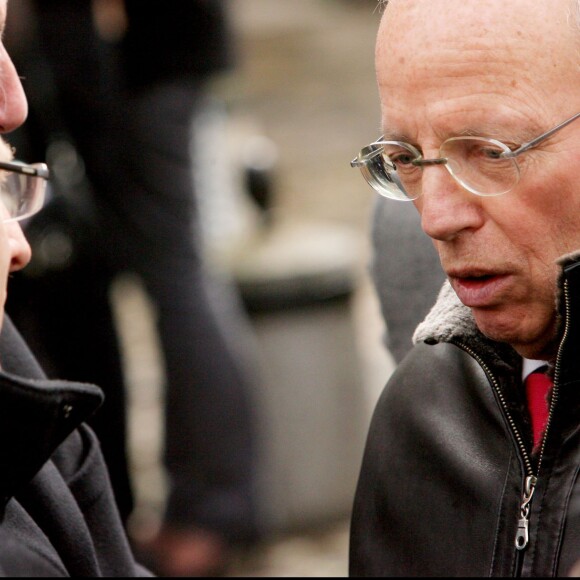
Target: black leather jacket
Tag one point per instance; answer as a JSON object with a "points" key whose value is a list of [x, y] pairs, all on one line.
{"points": [[442, 490]]}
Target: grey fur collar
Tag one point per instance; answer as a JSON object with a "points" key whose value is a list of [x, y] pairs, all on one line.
{"points": [[568, 259], [449, 319]]}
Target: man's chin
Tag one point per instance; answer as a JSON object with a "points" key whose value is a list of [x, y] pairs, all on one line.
{"points": [[537, 342]]}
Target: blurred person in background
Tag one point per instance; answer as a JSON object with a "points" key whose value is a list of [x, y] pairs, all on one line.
{"points": [[170, 51], [128, 110], [407, 288]]}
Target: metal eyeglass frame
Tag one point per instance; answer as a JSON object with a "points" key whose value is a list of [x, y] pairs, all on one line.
{"points": [[38, 170], [35, 170], [371, 151]]}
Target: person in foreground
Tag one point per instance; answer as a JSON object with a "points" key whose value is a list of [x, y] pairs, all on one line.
{"points": [[472, 461], [57, 513]]}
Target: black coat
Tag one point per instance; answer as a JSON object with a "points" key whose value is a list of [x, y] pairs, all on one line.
{"points": [[58, 516]]}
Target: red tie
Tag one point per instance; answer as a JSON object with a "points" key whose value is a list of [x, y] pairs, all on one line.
{"points": [[538, 387]]}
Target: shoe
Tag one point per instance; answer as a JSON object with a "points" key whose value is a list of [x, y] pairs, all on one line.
{"points": [[184, 553]]}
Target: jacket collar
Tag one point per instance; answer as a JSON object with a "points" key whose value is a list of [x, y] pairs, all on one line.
{"points": [[448, 320], [569, 312], [36, 416]]}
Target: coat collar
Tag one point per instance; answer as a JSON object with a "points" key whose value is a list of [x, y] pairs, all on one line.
{"points": [[36, 416], [448, 320]]}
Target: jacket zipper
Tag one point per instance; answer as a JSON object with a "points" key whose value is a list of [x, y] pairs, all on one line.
{"points": [[531, 480], [522, 536]]}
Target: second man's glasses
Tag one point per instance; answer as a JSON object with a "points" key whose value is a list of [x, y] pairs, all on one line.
{"points": [[482, 166]]}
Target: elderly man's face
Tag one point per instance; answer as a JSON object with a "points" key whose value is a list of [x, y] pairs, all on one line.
{"points": [[14, 249], [508, 70]]}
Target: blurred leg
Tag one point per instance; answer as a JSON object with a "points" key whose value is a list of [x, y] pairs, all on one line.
{"points": [[153, 229]]}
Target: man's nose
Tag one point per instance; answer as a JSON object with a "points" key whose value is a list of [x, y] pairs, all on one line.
{"points": [[20, 251], [13, 104], [446, 208]]}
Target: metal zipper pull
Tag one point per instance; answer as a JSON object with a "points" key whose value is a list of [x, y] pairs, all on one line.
{"points": [[523, 536]]}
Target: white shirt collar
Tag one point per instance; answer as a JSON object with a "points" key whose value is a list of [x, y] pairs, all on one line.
{"points": [[530, 366]]}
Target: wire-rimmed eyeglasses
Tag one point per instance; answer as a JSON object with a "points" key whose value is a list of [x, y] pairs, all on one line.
{"points": [[481, 165], [22, 190]]}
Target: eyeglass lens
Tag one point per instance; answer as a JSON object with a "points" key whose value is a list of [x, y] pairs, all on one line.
{"points": [[381, 175], [476, 163], [22, 195]]}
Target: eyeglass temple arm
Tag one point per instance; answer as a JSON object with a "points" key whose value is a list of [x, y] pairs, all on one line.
{"points": [[531, 144], [40, 170]]}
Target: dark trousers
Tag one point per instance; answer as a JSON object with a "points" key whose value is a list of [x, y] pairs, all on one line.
{"points": [[152, 228]]}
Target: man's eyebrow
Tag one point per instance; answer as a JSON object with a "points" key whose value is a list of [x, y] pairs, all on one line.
{"points": [[390, 135]]}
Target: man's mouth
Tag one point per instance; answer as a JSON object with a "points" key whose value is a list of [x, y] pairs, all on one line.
{"points": [[478, 290], [478, 279]]}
